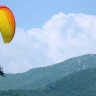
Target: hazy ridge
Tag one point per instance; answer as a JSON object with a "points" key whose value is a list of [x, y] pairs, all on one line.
{"points": [[55, 78]]}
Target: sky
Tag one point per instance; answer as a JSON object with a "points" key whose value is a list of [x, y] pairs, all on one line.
{"points": [[48, 32]]}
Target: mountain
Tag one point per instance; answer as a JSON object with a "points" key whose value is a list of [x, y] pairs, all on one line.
{"points": [[82, 83], [42, 76], [19, 92]]}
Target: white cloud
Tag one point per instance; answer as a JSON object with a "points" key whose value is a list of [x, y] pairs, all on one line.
{"points": [[61, 37]]}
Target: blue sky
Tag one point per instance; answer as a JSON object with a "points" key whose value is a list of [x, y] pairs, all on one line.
{"points": [[34, 13], [48, 32]]}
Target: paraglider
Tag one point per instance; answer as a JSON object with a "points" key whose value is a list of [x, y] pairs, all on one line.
{"points": [[1, 72], [7, 24], [7, 27]]}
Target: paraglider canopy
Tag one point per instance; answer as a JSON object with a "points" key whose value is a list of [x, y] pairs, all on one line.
{"points": [[7, 24]]}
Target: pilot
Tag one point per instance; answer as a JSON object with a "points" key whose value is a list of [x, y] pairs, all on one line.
{"points": [[1, 71]]}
